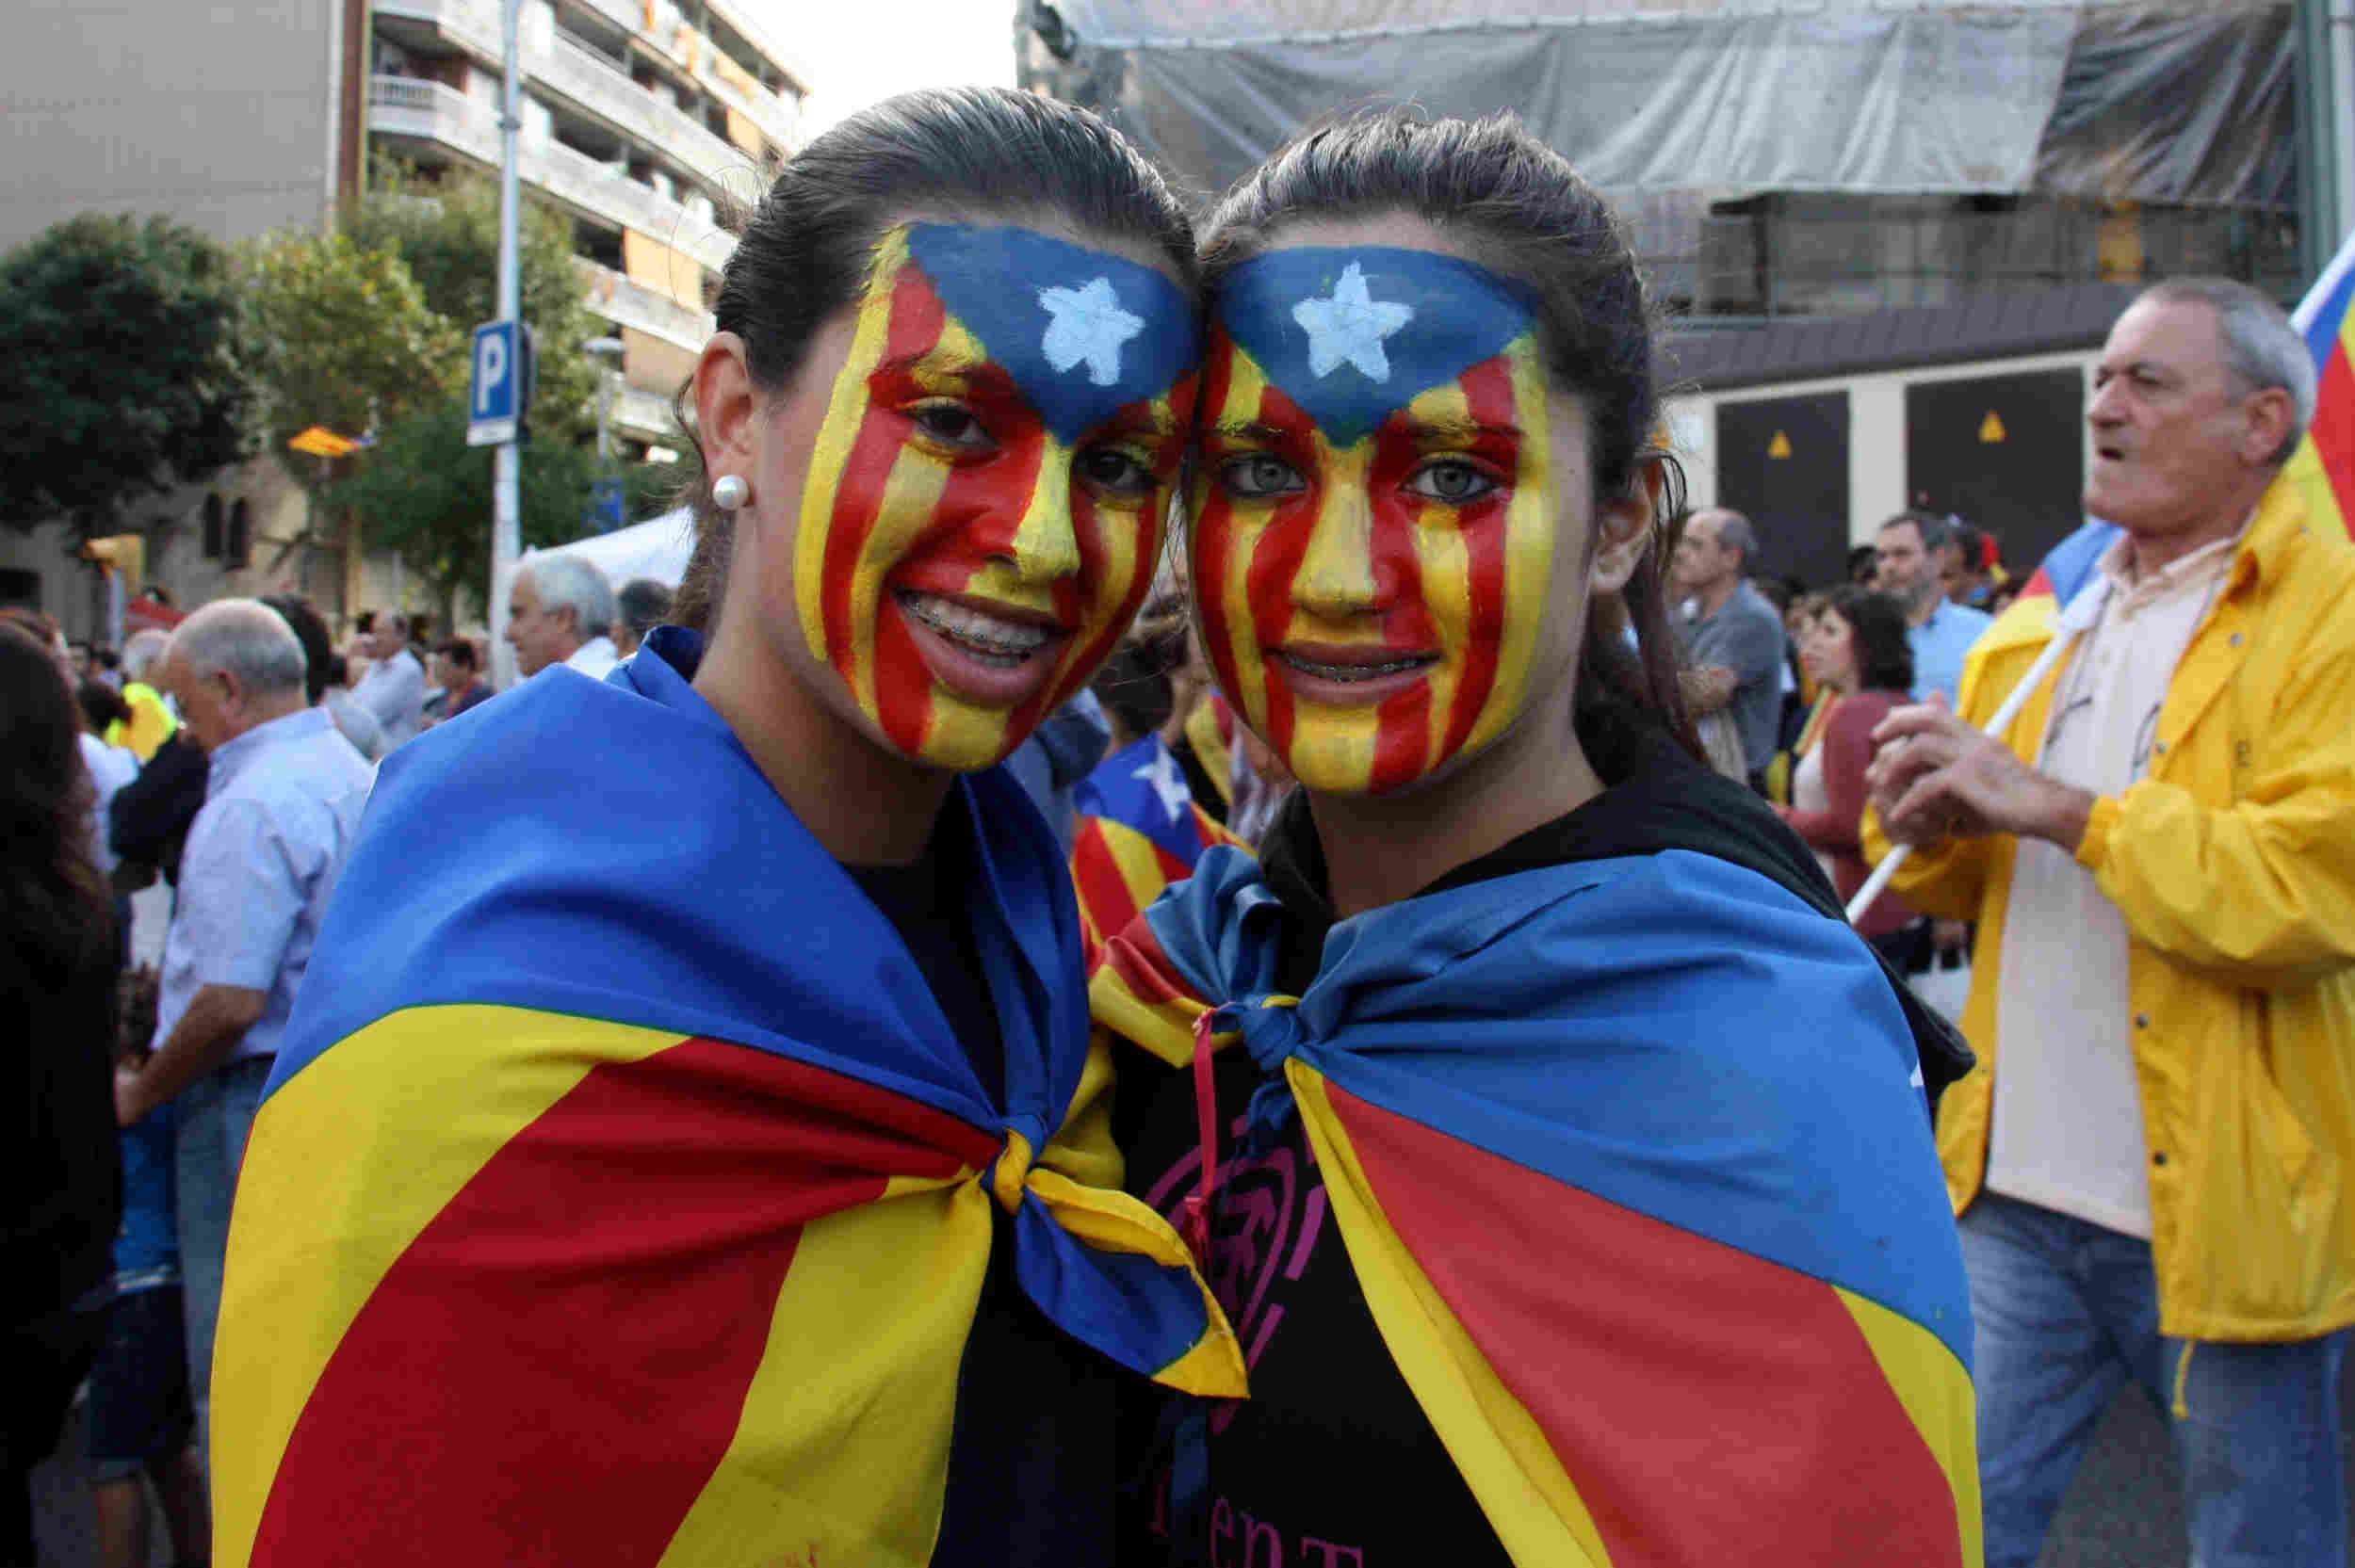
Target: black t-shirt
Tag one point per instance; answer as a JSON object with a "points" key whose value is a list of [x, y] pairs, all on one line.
{"points": [[1031, 1464], [1333, 1459]]}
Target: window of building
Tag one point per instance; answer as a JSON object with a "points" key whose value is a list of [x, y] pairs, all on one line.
{"points": [[213, 526], [238, 547]]}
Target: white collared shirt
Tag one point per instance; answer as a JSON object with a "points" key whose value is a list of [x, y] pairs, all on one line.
{"points": [[594, 658], [2068, 1132]]}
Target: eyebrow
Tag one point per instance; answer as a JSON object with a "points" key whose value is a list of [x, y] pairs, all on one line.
{"points": [[1458, 429], [1245, 430]]}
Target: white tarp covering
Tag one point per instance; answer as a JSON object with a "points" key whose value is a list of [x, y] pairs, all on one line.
{"points": [[657, 548], [2189, 105]]}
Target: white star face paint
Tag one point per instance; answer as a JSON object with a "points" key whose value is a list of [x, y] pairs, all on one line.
{"points": [[1349, 327], [1087, 324]]}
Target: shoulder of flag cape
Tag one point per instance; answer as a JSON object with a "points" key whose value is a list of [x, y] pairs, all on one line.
{"points": [[1348, 327], [1087, 324]]}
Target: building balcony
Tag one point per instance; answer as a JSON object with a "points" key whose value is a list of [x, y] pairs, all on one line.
{"points": [[432, 111], [599, 87], [614, 297], [644, 415], [565, 68]]}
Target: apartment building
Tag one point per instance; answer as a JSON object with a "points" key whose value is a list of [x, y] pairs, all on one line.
{"points": [[241, 120], [635, 112]]}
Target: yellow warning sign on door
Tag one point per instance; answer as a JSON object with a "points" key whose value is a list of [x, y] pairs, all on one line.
{"points": [[1990, 428], [1780, 446]]}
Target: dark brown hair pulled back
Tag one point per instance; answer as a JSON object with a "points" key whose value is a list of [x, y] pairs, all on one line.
{"points": [[950, 154], [1517, 208]]}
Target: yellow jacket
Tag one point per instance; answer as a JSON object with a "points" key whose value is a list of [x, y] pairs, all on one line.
{"points": [[2233, 863], [149, 726]]}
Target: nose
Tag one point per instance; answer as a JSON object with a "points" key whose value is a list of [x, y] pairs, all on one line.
{"points": [[2103, 411], [1336, 577], [1046, 545]]}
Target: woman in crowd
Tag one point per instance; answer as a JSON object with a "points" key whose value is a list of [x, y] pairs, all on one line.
{"points": [[1570, 1183], [720, 1168], [1856, 647], [57, 991]]}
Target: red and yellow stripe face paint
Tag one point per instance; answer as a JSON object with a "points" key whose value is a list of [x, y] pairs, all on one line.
{"points": [[985, 498], [1376, 516]]}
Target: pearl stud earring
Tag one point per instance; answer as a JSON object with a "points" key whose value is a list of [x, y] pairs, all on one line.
{"points": [[729, 492]]}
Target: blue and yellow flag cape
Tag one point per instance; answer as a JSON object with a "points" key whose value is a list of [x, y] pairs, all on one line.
{"points": [[1630, 1161], [621, 1194], [1136, 830]]}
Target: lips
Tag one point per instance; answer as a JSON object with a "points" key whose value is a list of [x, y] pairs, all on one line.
{"points": [[990, 654], [1349, 674]]}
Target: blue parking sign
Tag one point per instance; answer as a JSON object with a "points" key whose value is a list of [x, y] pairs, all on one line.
{"points": [[492, 389]]}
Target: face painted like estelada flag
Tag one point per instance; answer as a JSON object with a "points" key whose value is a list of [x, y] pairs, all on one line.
{"points": [[1375, 524], [984, 500]]}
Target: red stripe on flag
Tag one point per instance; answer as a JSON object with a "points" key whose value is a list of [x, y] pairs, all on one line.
{"points": [[1137, 962], [1105, 904], [1275, 562], [611, 1270], [1710, 1407], [2333, 428]]}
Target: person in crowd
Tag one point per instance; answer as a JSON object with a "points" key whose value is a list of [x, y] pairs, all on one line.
{"points": [[643, 604], [1941, 631], [152, 722], [561, 611], [1864, 566], [1810, 704], [1559, 1137], [1734, 639], [393, 690], [456, 672], [57, 980], [1855, 646], [351, 718], [2151, 1162], [78, 661], [139, 1423], [282, 802], [1967, 569], [730, 1059]]}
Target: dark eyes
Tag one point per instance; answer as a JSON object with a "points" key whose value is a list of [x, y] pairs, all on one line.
{"points": [[1110, 468], [1450, 481], [951, 425]]}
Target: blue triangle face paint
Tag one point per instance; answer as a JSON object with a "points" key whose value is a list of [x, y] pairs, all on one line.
{"points": [[1082, 332], [1353, 335]]}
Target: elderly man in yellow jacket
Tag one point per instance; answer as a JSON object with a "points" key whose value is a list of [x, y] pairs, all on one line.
{"points": [[2152, 1160]]}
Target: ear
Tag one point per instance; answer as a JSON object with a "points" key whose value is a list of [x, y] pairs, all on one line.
{"points": [[726, 407], [2268, 416], [1622, 532]]}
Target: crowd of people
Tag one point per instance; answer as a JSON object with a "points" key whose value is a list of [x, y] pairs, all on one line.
{"points": [[965, 1036]]}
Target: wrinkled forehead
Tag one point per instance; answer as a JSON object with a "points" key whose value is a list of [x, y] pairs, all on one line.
{"points": [[1081, 332], [1353, 333]]}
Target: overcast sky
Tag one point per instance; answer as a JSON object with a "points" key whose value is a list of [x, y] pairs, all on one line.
{"points": [[858, 51]]}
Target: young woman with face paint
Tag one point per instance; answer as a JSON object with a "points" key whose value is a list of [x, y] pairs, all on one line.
{"points": [[722, 1165], [1571, 1186]]}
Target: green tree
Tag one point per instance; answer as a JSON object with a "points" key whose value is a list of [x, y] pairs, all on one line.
{"points": [[447, 231], [424, 492], [343, 335], [123, 347]]}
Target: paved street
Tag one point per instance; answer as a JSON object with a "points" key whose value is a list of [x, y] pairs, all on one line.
{"points": [[2123, 1513]]}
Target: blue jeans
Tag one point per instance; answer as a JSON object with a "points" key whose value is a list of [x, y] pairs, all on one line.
{"points": [[2065, 1311], [217, 1114]]}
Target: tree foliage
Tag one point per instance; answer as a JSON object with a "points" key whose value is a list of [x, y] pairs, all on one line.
{"points": [[125, 354], [344, 336], [448, 232], [424, 492]]}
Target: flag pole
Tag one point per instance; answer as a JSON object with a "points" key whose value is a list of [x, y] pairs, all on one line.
{"points": [[1878, 881]]}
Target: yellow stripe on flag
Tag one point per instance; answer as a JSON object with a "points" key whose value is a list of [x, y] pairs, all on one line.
{"points": [[336, 1185], [1938, 1398], [1496, 1444]]}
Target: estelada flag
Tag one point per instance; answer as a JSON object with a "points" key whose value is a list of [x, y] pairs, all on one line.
{"points": [[2322, 470], [1667, 1262], [622, 1194], [1137, 830]]}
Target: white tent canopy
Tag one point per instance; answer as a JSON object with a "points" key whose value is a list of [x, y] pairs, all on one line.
{"points": [[658, 548]]}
